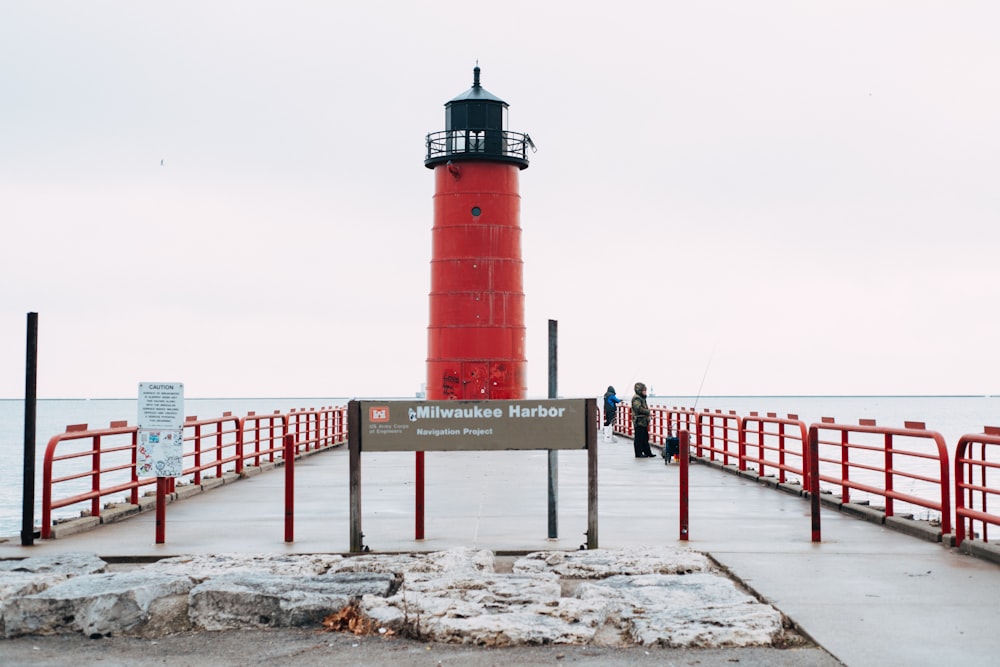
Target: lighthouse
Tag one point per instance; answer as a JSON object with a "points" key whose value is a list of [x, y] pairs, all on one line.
{"points": [[476, 332]]}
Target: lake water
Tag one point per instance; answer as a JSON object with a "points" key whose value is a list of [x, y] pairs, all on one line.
{"points": [[951, 416]]}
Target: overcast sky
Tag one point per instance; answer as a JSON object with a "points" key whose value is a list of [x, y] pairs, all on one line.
{"points": [[738, 197]]}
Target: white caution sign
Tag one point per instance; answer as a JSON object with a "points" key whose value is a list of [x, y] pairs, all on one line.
{"points": [[161, 429]]}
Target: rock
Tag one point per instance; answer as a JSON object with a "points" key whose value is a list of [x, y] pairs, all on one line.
{"points": [[69, 564], [487, 609], [20, 578], [94, 604], [697, 610], [530, 605], [459, 559], [201, 568], [600, 563], [244, 600], [653, 596]]}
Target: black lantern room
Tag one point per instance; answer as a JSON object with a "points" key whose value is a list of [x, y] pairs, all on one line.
{"points": [[476, 123]]}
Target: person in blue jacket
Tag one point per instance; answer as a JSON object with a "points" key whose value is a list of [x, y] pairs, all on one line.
{"points": [[610, 409]]}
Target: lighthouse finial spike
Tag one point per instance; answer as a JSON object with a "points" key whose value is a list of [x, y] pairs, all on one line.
{"points": [[475, 75]]}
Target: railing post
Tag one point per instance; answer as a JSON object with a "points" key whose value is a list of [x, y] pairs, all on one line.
{"points": [[197, 453], [134, 471], [960, 449], [845, 466], [47, 490], [161, 510], [239, 445], [813, 482], [781, 452], [888, 484], [218, 447], [683, 455], [289, 488], [418, 497], [741, 454], [95, 477]]}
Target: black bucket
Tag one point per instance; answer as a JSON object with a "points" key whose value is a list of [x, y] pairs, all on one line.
{"points": [[671, 447]]}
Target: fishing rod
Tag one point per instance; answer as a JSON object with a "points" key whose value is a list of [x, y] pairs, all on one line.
{"points": [[703, 376]]}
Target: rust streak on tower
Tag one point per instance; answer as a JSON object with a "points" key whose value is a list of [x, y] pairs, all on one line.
{"points": [[476, 332]]}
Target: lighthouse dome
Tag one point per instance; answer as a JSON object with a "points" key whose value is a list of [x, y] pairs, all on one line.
{"points": [[476, 129]]}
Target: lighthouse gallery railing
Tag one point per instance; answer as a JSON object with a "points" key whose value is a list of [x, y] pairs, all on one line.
{"points": [[477, 143]]}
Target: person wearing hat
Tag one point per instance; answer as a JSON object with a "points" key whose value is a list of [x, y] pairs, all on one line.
{"points": [[610, 410], [640, 422]]}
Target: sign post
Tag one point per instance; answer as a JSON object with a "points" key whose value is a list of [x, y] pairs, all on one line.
{"points": [[30, 407], [488, 425], [161, 440], [553, 454]]}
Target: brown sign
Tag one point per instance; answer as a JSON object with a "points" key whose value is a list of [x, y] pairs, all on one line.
{"points": [[406, 426]]}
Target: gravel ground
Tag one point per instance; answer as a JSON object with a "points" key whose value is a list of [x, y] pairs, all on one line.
{"points": [[307, 648]]}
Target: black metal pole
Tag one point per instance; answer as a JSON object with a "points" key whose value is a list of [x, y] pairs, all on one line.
{"points": [[354, 474], [30, 399], [553, 454], [592, 473]]}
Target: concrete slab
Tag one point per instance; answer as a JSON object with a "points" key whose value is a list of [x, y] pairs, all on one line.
{"points": [[866, 593]]}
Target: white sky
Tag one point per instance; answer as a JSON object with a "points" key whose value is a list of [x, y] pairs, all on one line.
{"points": [[775, 197]]}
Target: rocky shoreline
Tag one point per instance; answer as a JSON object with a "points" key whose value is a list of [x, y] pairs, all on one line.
{"points": [[609, 598]]}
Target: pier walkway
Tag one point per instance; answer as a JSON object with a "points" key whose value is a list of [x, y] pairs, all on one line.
{"points": [[867, 594]]}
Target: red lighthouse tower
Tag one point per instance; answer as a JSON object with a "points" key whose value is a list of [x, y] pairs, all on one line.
{"points": [[476, 335]]}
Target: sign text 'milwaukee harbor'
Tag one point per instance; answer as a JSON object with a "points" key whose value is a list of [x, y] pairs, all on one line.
{"points": [[514, 411]]}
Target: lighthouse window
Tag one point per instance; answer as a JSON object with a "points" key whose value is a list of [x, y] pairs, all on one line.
{"points": [[476, 211], [476, 141]]}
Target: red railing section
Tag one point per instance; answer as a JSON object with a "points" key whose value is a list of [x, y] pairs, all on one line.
{"points": [[89, 455], [908, 464], [718, 437], [888, 464], [263, 437], [623, 420], [778, 444], [211, 444], [977, 462], [317, 428], [103, 461]]}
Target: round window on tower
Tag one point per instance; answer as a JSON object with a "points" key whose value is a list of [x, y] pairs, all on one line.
{"points": [[476, 211]]}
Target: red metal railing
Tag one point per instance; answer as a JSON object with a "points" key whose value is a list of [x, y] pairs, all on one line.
{"points": [[904, 465], [263, 437], [89, 465], [977, 461], [94, 456], [712, 435], [879, 460], [317, 428], [623, 420], [211, 443], [664, 423], [718, 436], [772, 442]]}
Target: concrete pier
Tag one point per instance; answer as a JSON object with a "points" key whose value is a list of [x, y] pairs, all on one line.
{"points": [[866, 594]]}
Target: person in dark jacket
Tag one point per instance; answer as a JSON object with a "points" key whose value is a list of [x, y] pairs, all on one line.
{"points": [[610, 410], [640, 422]]}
